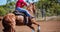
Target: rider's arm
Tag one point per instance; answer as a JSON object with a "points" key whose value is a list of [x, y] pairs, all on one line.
{"points": [[25, 3]]}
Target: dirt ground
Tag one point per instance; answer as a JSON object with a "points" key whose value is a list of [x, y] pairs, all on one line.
{"points": [[46, 26], [52, 25]]}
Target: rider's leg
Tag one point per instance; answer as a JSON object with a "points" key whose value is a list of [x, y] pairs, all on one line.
{"points": [[24, 11]]}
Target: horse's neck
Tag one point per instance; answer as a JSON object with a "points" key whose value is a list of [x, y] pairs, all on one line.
{"points": [[30, 8]]}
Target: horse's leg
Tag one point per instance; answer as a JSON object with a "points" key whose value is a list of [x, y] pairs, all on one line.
{"points": [[34, 22], [38, 29], [33, 30]]}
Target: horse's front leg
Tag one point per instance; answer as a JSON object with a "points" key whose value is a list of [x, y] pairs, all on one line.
{"points": [[38, 29], [33, 30], [34, 22]]}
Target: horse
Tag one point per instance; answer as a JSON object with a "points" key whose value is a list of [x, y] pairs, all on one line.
{"points": [[11, 20], [31, 8]]}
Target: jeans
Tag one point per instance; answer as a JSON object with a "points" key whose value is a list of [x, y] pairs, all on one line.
{"points": [[23, 11]]}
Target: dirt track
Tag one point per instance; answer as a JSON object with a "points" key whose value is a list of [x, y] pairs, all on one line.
{"points": [[46, 26]]}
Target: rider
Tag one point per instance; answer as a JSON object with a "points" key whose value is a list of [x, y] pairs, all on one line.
{"points": [[19, 7]]}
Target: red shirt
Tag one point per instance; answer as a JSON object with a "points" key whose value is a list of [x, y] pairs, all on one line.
{"points": [[21, 3]]}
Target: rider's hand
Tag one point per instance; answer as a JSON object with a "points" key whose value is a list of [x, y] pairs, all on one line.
{"points": [[27, 4]]}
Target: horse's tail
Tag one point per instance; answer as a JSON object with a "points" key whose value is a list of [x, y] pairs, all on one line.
{"points": [[8, 21], [9, 17]]}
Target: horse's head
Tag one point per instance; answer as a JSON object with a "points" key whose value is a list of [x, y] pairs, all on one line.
{"points": [[31, 7]]}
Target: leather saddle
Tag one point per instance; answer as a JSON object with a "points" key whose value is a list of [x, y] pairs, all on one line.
{"points": [[18, 13]]}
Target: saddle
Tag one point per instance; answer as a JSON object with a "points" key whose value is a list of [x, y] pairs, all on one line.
{"points": [[17, 13]]}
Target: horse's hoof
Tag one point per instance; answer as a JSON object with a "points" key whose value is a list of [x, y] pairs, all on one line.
{"points": [[38, 29]]}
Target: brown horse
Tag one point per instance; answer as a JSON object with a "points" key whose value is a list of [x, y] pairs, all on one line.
{"points": [[10, 20], [31, 8], [20, 20]]}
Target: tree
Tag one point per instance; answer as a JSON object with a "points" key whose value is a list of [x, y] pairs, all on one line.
{"points": [[51, 6], [9, 7], [2, 11]]}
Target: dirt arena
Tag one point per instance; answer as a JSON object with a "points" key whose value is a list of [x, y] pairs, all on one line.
{"points": [[46, 26]]}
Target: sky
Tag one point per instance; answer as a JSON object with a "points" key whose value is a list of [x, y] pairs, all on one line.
{"points": [[3, 2]]}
